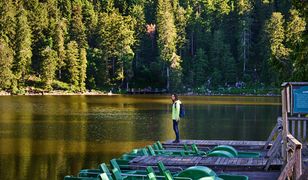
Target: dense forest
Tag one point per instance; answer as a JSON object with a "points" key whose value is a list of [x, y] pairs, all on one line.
{"points": [[176, 45]]}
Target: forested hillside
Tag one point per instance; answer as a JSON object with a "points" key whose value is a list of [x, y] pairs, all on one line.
{"points": [[76, 45]]}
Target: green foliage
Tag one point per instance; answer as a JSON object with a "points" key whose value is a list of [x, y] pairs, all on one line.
{"points": [[23, 47], [6, 61], [83, 69], [286, 40], [201, 68], [7, 21], [77, 29], [166, 30], [202, 44], [61, 31], [116, 38], [295, 39], [60, 85], [72, 57], [50, 59]]}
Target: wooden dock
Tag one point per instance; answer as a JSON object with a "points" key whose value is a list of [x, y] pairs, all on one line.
{"points": [[251, 167], [215, 163], [254, 168], [205, 144]]}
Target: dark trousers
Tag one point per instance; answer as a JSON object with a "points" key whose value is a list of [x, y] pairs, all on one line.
{"points": [[176, 130]]}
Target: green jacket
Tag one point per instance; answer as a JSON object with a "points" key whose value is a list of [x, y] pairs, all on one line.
{"points": [[176, 110]]}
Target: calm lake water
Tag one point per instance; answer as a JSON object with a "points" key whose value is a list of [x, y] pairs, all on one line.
{"points": [[48, 137]]}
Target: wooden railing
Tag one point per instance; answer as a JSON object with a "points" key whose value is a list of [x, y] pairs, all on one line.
{"points": [[275, 138], [293, 166], [298, 128]]}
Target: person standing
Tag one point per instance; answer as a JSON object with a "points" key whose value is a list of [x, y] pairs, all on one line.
{"points": [[176, 104]]}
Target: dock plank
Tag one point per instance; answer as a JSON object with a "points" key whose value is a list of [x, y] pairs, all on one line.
{"points": [[240, 145], [212, 162]]}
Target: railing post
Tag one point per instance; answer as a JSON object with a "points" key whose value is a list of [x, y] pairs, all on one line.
{"points": [[298, 162], [284, 124]]}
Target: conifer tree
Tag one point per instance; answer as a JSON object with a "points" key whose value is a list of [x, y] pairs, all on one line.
{"points": [[201, 68], [23, 47], [72, 56], [8, 22], [116, 39], [6, 62], [49, 64], [77, 28], [167, 39], [295, 29], [83, 69], [61, 31], [66, 9], [279, 52]]}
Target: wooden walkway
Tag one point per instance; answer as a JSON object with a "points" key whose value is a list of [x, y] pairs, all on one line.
{"points": [[252, 167], [239, 145], [216, 163]]}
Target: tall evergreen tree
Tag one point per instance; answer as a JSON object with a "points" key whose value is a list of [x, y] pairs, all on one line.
{"points": [[23, 47], [244, 8], [61, 31], [83, 69], [201, 68], [295, 29], [229, 66], [89, 17], [8, 22], [167, 38], [6, 63], [116, 38], [97, 69], [77, 29], [279, 52], [72, 57], [65, 7], [39, 23], [49, 64]]}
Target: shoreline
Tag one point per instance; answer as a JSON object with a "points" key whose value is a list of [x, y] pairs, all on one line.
{"points": [[55, 93], [99, 93]]}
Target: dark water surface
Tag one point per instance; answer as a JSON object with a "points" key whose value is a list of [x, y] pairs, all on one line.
{"points": [[48, 137]]}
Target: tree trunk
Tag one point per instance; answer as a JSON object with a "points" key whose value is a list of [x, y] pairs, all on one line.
{"points": [[168, 79], [59, 73], [192, 43]]}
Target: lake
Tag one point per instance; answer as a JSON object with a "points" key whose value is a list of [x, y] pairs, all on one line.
{"points": [[48, 137]]}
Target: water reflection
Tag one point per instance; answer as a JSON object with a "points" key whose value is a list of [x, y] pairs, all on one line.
{"points": [[51, 136]]}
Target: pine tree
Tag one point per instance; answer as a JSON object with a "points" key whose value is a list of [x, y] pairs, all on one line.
{"points": [[116, 39], [6, 62], [49, 64], [83, 70], [72, 56], [244, 8], [8, 22], [229, 66], [295, 29], [23, 47], [61, 31], [181, 20], [97, 69], [167, 39], [39, 23], [89, 17], [201, 68], [279, 52], [66, 9], [77, 29]]}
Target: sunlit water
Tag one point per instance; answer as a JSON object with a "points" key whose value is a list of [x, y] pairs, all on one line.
{"points": [[48, 137]]}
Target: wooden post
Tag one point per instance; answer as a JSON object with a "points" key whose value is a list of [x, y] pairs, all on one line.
{"points": [[298, 163], [284, 124]]}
